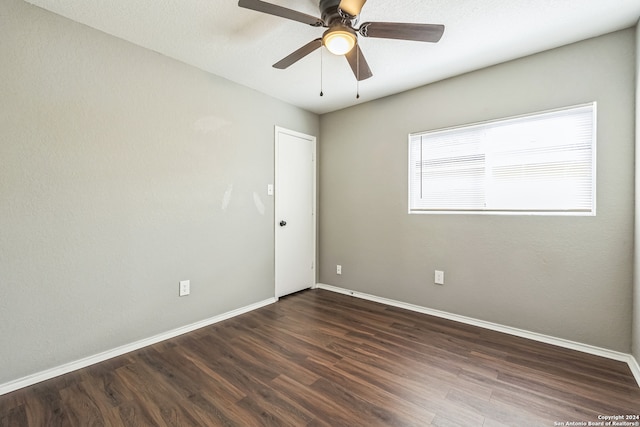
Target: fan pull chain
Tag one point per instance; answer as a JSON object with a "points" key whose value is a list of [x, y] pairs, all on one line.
{"points": [[357, 72], [321, 93]]}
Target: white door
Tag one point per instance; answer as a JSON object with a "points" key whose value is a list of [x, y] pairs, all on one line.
{"points": [[295, 227]]}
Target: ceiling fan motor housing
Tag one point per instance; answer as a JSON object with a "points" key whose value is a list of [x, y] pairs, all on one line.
{"points": [[329, 10]]}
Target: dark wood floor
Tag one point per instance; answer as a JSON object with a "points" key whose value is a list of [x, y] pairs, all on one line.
{"points": [[318, 358]]}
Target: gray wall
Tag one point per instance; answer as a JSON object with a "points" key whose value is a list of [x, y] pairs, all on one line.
{"points": [[636, 277], [114, 165], [568, 277]]}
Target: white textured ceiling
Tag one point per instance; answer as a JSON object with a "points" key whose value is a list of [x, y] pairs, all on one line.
{"points": [[241, 45]]}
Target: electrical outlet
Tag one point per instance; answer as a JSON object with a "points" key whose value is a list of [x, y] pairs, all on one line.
{"points": [[338, 269], [185, 288], [439, 277]]}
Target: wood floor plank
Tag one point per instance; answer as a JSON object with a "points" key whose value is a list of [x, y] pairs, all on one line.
{"points": [[256, 350], [14, 417], [368, 413], [43, 405], [321, 405], [214, 412], [136, 413], [216, 383], [376, 393], [318, 358], [505, 414]]}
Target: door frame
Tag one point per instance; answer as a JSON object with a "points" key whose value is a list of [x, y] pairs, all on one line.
{"points": [[277, 131]]}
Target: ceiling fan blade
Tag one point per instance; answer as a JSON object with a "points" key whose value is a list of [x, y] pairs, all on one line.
{"points": [[401, 31], [298, 54], [283, 12], [358, 64], [351, 7]]}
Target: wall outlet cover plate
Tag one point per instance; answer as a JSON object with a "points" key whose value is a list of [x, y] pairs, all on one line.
{"points": [[185, 288]]}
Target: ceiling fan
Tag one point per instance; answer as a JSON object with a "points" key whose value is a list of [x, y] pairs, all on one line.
{"points": [[341, 37]]}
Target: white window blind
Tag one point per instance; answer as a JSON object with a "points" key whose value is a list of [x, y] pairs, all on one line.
{"points": [[540, 163]]}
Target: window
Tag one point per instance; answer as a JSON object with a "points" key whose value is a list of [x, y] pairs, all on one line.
{"points": [[542, 163]]}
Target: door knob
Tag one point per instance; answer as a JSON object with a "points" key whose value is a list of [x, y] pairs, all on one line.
{"points": [[283, 223]]}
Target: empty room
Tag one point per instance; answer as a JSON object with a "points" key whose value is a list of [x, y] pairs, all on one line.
{"points": [[209, 217]]}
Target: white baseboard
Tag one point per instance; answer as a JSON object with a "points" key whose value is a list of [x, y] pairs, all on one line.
{"points": [[635, 368], [100, 357], [560, 342]]}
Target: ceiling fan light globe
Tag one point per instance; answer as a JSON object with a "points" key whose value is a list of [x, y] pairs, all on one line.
{"points": [[339, 42]]}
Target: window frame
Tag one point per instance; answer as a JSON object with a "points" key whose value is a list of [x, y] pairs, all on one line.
{"points": [[488, 123]]}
